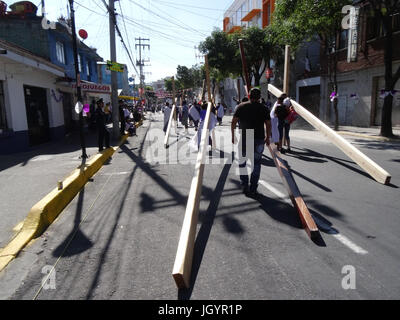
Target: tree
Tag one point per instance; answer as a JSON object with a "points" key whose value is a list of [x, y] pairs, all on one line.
{"points": [[224, 55], [385, 11], [296, 21], [259, 49]]}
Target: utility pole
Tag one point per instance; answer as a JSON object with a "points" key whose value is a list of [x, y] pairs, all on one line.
{"points": [[114, 84], [140, 63], [78, 78]]}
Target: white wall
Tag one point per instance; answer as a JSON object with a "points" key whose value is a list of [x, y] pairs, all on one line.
{"points": [[16, 76]]}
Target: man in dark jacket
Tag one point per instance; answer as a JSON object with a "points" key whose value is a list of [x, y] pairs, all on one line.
{"points": [[104, 136]]}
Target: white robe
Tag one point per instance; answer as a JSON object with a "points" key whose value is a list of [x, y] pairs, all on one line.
{"points": [[274, 125], [167, 114], [194, 113]]}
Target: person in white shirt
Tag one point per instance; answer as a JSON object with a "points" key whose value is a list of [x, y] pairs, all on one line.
{"points": [[167, 113]]}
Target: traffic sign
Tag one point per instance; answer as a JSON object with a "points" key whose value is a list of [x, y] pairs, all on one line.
{"points": [[114, 66]]}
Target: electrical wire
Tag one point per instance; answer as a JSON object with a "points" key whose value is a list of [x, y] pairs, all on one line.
{"points": [[169, 20]]}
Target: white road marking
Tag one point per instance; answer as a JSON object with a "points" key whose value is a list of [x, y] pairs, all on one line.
{"points": [[273, 190], [115, 173], [341, 238], [348, 243]]}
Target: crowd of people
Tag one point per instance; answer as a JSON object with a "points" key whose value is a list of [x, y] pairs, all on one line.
{"points": [[193, 115], [100, 115]]}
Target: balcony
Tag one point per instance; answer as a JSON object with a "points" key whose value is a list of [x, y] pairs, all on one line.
{"points": [[251, 15], [234, 29]]}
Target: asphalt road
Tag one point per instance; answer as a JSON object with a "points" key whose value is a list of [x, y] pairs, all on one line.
{"points": [[118, 238]]}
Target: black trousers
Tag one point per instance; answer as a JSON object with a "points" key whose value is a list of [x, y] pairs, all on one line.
{"points": [[104, 138]]}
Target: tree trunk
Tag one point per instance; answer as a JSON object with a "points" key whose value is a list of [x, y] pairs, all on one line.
{"points": [[386, 120]]}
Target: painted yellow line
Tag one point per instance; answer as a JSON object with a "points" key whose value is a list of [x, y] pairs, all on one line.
{"points": [[46, 210]]}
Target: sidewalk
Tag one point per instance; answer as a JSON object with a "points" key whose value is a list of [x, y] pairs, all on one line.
{"points": [[369, 133], [25, 178]]}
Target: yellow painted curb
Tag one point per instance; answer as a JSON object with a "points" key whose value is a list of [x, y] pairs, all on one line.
{"points": [[47, 210]]}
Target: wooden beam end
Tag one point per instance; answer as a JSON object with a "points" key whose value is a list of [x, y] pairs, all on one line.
{"points": [[180, 281]]}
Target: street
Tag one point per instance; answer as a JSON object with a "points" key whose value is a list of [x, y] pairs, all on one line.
{"points": [[118, 238]]}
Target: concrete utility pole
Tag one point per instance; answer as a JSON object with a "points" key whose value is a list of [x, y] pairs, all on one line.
{"points": [[140, 63], [114, 84], [78, 78]]}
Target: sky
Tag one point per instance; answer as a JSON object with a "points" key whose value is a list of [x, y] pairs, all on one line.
{"points": [[174, 28]]}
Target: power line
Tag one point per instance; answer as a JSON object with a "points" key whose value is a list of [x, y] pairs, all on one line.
{"points": [[119, 34], [169, 20], [196, 7]]}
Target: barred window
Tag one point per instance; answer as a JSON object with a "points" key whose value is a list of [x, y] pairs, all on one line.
{"points": [[60, 52]]}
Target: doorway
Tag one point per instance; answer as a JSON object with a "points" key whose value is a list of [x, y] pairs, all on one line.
{"points": [[37, 115]]}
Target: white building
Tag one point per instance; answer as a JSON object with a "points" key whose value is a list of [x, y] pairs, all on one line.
{"points": [[31, 111]]}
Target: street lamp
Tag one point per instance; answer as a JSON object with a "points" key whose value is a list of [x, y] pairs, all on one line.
{"points": [[78, 78]]}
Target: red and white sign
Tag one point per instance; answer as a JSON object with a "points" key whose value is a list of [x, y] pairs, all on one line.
{"points": [[94, 87]]}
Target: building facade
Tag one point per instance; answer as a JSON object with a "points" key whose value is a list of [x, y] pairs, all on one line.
{"points": [[361, 70], [30, 112], [23, 33]]}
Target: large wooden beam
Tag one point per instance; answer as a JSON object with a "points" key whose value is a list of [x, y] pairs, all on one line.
{"points": [[286, 74], [172, 115], [184, 256], [245, 71], [294, 194], [171, 118], [373, 169]]}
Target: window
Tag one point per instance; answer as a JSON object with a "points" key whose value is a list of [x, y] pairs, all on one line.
{"points": [[87, 68], [259, 21], [79, 63], [343, 39], [60, 52], [238, 16], [396, 22], [3, 118]]}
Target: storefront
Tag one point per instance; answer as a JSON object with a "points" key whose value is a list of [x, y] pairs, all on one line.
{"points": [[29, 114]]}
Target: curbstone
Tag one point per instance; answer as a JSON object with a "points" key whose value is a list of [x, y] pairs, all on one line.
{"points": [[44, 212]]}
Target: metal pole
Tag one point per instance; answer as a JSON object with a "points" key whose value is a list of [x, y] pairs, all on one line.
{"points": [[78, 78], [114, 84]]}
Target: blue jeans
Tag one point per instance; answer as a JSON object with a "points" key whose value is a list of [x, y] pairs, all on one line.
{"points": [[255, 174]]}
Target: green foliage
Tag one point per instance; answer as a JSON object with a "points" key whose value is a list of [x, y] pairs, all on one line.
{"points": [[297, 20], [190, 77], [224, 55]]}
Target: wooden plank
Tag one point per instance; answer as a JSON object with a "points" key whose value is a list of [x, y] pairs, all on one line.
{"points": [[184, 256], [172, 115], [286, 74], [373, 169], [294, 194], [245, 71]]}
